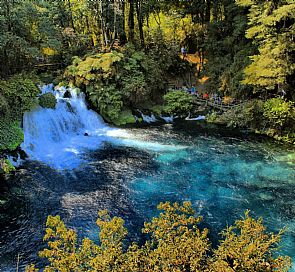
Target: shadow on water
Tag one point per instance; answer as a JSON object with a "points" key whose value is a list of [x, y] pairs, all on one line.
{"points": [[38, 191], [221, 172]]}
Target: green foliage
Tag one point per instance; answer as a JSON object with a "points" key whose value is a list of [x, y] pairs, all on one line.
{"points": [[175, 244], [247, 115], [114, 81], [97, 75], [157, 109], [47, 100], [11, 135], [227, 52], [274, 117], [25, 31], [280, 114], [271, 26], [19, 93], [125, 117], [6, 166], [178, 103], [107, 99]]}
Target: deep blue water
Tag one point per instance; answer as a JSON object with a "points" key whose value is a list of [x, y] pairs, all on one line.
{"points": [[221, 172]]}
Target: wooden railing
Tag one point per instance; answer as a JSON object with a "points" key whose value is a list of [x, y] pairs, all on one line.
{"points": [[48, 66]]}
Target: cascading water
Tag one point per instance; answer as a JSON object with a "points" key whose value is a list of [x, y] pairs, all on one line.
{"points": [[58, 136], [62, 136], [148, 119]]}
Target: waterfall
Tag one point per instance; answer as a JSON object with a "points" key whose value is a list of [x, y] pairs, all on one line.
{"points": [[148, 119], [168, 119], [60, 136]]}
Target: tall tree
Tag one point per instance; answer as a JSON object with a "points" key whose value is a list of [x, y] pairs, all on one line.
{"points": [[131, 21], [272, 29]]}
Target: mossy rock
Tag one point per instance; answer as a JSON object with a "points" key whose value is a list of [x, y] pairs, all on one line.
{"points": [[11, 135], [125, 117], [47, 100], [6, 166], [157, 110]]}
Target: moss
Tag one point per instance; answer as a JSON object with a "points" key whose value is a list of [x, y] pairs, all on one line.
{"points": [[157, 109], [11, 135], [47, 100], [125, 117], [6, 166]]}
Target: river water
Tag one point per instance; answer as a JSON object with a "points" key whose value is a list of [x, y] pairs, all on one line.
{"points": [[129, 171]]}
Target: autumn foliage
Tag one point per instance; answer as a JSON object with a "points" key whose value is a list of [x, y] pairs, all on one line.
{"points": [[176, 244]]}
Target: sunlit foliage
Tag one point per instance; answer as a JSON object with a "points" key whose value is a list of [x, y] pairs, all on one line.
{"points": [[271, 26], [175, 244]]}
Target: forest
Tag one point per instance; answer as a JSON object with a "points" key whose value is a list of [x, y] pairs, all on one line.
{"points": [[228, 64], [125, 55]]}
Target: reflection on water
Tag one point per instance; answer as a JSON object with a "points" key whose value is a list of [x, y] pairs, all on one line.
{"points": [[222, 175]]}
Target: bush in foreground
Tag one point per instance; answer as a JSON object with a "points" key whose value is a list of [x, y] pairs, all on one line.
{"points": [[176, 244]]}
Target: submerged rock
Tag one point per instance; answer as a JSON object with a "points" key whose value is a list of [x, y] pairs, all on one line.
{"points": [[125, 117]]}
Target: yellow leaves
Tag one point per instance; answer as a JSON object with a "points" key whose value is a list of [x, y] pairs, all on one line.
{"points": [[47, 51], [245, 3], [248, 247], [94, 67], [176, 245], [270, 29]]}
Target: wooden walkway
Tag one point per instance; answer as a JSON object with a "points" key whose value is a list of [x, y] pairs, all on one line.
{"points": [[48, 66], [221, 106]]}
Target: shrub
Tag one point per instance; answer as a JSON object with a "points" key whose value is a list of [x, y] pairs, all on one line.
{"points": [[175, 244], [248, 115], [178, 103], [20, 93], [6, 166], [47, 100], [248, 247], [125, 117], [11, 135], [279, 113]]}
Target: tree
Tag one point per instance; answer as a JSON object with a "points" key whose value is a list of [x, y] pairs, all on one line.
{"points": [[176, 244], [272, 29]]}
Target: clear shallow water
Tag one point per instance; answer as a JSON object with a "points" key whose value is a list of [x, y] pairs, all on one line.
{"points": [[220, 173]]}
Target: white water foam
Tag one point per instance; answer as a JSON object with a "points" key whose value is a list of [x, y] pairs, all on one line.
{"points": [[198, 118], [57, 136], [168, 119], [60, 137], [148, 119]]}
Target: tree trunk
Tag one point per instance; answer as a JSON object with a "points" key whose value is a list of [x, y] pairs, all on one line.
{"points": [[208, 10], [215, 10], [7, 15], [140, 22], [131, 21], [71, 15]]}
